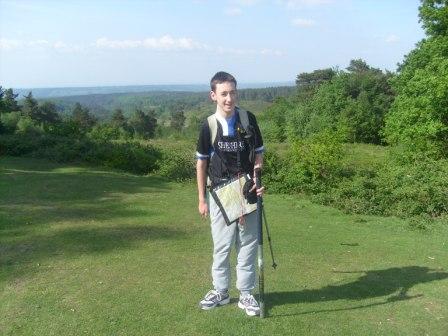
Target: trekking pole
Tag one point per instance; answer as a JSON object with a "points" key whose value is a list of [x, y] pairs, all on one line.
{"points": [[260, 243], [274, 265]]}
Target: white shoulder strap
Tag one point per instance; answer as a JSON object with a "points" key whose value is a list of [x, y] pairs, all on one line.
{"points": [[213, 126]]}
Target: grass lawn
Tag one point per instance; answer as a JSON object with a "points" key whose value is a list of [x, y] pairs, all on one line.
{"points": [[90, 251]]}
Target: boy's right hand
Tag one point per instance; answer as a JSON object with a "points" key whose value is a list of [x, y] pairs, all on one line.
{"points": [[203, 209]]}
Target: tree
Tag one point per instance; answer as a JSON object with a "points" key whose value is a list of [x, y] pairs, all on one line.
{"points": [[118, 127], [358, 66], [48, 114], [418, 119], [82, 117], [354, 101], [30, 107], [10, 102], [315, 78], [275, 119], [118, 118], [434, 17], [309, 82], [177, 118], [143, 125], [2, 103]]}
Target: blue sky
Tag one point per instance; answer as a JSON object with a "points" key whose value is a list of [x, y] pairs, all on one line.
{"points": [[109, 42]]}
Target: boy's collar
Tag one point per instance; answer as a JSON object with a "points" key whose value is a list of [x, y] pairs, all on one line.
{"points": [[224, 115]]}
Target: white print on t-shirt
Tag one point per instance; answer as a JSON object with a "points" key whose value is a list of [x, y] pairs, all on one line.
{"points": [[230, 146]]}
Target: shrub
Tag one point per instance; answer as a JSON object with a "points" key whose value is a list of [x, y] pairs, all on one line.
{"points": [[313, 164], [408, 189], [415, 188], [9, 121], [133, 157], [394, 189], [26, 125], [272, 177], [176, 163]]}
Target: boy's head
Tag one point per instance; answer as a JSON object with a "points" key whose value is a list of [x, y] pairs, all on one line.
{"points": [[223, 92], [221, 77]]}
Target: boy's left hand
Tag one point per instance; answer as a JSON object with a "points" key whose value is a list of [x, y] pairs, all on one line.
{"points": [[260, 191]]}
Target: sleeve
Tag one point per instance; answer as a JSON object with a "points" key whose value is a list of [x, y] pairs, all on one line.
{"points": [[259, 147], [203, 148]]}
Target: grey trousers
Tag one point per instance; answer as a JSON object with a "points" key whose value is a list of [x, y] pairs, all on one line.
{"points": [[244, 236]]}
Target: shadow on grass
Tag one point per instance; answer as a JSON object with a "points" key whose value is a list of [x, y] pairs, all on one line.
{"points": [[54, 193], [77, 241], [393, 282], [48, 210]]}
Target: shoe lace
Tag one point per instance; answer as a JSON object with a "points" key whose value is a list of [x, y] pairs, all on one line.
{"points": [[212, 293], [249, 300]]}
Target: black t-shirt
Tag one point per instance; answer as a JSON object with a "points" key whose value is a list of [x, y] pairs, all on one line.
{"points": [[223, 155]]}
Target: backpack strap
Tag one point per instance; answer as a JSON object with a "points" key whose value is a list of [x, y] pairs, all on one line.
{"points": [[213, 123], [213, 126], [244, 118]]}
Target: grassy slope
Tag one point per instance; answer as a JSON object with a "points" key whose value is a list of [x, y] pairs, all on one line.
{"points": [[87, 251]]}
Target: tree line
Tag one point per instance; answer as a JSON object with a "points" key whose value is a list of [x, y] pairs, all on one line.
{"points": [[32, 117], [407, 109], [115, 116]]}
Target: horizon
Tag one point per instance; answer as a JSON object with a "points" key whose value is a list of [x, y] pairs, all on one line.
{"points": [[59, 92], [245, 84], [183, 42]]}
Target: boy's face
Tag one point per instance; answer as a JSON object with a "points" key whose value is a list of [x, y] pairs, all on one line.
{"points": [[225, 96]]}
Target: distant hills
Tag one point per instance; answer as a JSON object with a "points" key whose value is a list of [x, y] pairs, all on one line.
{"points": [[81, 91], [163, 99]]}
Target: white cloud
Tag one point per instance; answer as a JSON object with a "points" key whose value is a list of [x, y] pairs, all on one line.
{"points": [[168, 43], [234, 11], [7, 44], [38, 43], [164, 43], [303, 22], [392, 38], [270, 52]]}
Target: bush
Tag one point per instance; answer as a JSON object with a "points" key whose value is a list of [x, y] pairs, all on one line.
{"points": [[9, 121], [408, 189], [176, 163], [394, 189], [416, 188], [273, 165], [133, 157], [26, 125], [313, 164], [15, 145], [105, 132]]}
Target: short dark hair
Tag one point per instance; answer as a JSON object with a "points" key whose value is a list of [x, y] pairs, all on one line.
{"points": [[221, 77]]}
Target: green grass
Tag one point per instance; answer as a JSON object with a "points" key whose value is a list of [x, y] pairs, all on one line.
{"points": [[88, 251], [365, 156]]}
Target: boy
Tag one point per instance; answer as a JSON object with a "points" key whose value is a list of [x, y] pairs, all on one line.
{"points": [[230, 154]]}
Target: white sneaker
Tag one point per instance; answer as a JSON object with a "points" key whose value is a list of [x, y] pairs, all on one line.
{"points": [[214, 298], [249, 304]]}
